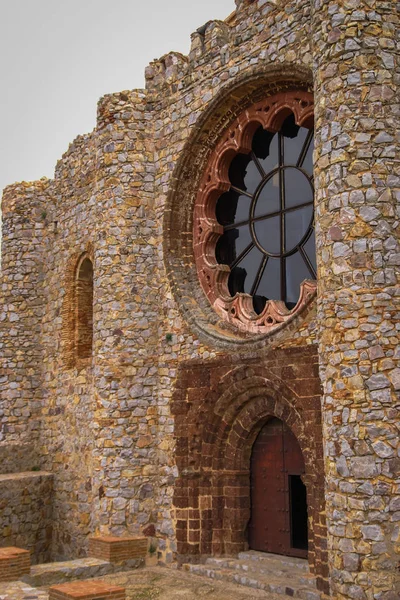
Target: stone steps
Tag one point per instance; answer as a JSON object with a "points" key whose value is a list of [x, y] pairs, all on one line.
{"points": [[300, 564], [84, 568], [278, 575], [242, 565]]}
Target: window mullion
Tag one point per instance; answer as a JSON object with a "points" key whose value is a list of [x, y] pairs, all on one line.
{"points": [[282, 215]]}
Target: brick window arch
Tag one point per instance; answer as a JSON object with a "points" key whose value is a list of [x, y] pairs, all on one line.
{"points": [[77, 311], [84, 308]]}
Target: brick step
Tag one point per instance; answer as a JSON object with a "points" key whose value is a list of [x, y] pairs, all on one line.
{"points": [[83, 568], [284, 586], [274, 569]]}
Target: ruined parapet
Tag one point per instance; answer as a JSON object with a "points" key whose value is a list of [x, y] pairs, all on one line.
{"points": [[210, 38], [209, 44], [78, 165], [120, 107], [168, 70], [26, 213], [123, 148], [243, 4]]}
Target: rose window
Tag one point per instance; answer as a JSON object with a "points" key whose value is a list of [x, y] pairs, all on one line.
{"points": [[254, 217]]}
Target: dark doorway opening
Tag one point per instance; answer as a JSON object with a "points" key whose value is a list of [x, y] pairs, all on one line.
{"points": [[298, 513], [278, 522]]}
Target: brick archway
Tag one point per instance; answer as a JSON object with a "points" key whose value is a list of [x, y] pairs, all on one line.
{"points": [[219, 410]]}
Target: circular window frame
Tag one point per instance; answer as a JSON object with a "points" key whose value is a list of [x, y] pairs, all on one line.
{"points": [[254, 84], [238, 310]]}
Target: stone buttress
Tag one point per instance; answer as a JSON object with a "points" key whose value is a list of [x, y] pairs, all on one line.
{"points": [[25, 209], [126, 313], [357, 177]]}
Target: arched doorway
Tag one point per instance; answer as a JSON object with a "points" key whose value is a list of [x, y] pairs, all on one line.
{"points": [[278, 522]]}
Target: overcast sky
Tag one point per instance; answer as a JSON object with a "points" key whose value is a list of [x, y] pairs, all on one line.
{"points": [[58, 57]]}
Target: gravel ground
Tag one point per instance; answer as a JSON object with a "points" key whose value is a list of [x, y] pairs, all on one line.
{"points": [[160, 583]]}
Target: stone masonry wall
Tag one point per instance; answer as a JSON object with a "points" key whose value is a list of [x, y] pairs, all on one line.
{"points": [[125, 317], [106, 427], [26, 518], [357, 176], [24, 214], [196, 97], [65, 435], [124, 195]]}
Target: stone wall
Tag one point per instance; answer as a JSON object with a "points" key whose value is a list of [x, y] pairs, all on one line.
{"points": [[107, 430], [124, 195], [26, 518], [357, 177], [66, 410], [24, 221], [16, 457]]}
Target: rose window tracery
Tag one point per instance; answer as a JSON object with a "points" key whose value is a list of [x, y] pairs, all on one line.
{"points": [[253, 224]]}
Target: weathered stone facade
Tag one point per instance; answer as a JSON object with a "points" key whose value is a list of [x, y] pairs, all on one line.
{"points": [[134, 426]]}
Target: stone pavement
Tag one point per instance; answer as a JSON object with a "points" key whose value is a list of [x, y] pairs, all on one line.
{"points": [[17, 590], [154, 583]]}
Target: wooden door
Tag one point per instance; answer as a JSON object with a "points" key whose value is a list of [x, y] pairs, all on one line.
{"points": [[278, 521]]}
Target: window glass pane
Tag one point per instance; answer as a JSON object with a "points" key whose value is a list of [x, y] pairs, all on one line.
{"points": [[252, 178], [294, 146], [259, 303], [268, 234], [289, 128], [268, 201], [270, 158], [297, 223], [309, 248], [225, 250], [270, 285], [261, 142], [232, 208], [308, 161], [236, 281], [297, 188], [296, 273], [231, 244], [237, 170], [251, 264]]}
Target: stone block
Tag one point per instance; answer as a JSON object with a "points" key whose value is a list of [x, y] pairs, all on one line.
{"points": [[116, 549], [14, 563], [86, 590]]}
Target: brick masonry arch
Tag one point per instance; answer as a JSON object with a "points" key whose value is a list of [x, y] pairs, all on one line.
{"points": [[220, 407], [70, 355]]}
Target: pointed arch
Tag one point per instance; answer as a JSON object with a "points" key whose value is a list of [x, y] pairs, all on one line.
{"points": [[220, 407]]}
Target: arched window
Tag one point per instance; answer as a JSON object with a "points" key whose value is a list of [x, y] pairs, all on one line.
{"points": [[84, 308], [267, 217], [77, 310], [253, 226]]}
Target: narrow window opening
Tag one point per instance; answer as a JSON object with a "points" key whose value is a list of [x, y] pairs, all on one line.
{"points": [[298, 513], [84, 309]]}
